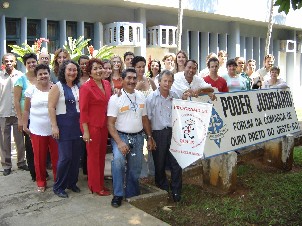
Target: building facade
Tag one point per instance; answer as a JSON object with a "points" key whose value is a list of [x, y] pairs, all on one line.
{"points": [[237, 26]]}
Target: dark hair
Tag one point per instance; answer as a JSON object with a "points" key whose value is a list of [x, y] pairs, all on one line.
{"points": [[137, 59], [28, 56], [231, 62], [127, 54], [90, 63], [61, 76], [55, 64], [193, 61], [83, 57], [275, 68], [212, 59], [41, 66], [149, 67], [165, 72], [127, 70]]}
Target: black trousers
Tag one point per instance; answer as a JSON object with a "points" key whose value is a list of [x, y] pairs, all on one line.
{"points": [[163, 156], [29, 156]]}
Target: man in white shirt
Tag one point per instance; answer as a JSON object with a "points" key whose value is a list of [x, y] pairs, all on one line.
{"points": [[264, 72], [127, 118], [188, 83], [8, 117]]}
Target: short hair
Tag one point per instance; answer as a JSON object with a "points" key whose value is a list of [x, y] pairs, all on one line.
{"points": [[28, 56], [269, 56], [6, 55], [193, 61], [83, 57], [222, 52], [275, 68], [167, 56], [137, 59], [62, 69], [127, 70], [128, 53], [90, 63], [251, 60], [212, 59], [149, 67], [165, 72], [231, 62], [41, 66]]}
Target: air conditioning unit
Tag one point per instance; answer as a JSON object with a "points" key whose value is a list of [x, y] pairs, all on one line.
{"points": [[162, 36], [123, 34], [288, 46]]}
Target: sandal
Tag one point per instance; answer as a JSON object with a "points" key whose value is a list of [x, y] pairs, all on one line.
{"points": [[41, 189]]}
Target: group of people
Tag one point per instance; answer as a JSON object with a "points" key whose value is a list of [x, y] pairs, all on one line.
{"points": [[71, 109]]}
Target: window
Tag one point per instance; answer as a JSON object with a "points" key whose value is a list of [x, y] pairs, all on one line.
{"points": [[71, 29], [33, 31], [53, 36], [12, 33], [88, 34]]}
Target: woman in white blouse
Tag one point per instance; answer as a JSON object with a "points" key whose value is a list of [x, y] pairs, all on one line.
{"points": [[274, 81], [36, 109]]}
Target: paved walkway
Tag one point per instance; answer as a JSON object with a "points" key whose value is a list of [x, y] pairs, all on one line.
{"points": [[21, 204]]}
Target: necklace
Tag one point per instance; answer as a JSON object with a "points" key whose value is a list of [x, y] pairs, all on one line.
{"points": [[133, 105]]}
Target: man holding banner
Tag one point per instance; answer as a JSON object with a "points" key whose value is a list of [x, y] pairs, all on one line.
{"points": [[187, 82], [159, 109]]}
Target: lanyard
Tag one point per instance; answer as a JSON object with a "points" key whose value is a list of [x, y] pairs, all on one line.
{"points": [[132, 104]]}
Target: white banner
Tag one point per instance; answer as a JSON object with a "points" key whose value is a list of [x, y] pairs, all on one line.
{"points": [[241, 119], [190, 121]]}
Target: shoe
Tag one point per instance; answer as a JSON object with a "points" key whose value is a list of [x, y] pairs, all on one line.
{"points": [[102, 193], [176, 197], [24, 167], [47, 176], [6, 172], [62, 194], [41, 189], [116, 201], [75, 189]]}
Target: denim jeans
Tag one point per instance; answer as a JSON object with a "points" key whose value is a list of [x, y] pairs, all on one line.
{"points": [[126, 169]]}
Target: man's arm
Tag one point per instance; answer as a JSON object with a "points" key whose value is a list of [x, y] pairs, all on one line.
{"points": [[122, 146]]}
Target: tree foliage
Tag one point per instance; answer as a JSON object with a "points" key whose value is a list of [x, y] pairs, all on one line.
{"points": [[285, 5]]}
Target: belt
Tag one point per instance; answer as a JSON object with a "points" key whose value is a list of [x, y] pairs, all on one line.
{"points": [[131, 134]]}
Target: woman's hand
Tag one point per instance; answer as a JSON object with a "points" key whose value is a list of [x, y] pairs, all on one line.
{"points": [[20, 125], [26, 130], [55, 132], [86, 137]]}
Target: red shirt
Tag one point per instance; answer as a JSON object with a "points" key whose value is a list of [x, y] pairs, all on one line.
{"points": [[220, 83]]}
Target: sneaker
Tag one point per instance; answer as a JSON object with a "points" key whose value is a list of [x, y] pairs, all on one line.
{"points": [[24, 167], [116, 201], [6, 172]]}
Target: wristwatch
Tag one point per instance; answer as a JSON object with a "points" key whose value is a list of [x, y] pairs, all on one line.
{"points": [[149, 137]]}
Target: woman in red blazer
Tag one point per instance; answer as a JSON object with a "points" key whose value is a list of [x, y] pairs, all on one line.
{"points": [[94, 97]]}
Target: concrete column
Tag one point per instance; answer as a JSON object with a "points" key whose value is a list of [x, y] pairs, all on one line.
{"points": [[220, 172], [249, 48], [204, 49], [276, 51], [222, 41], [44, 31], [262, 48], [256, 53], [279, 153], [234, 40], [2, 36], [214, 43], [271, 45], [98, 41], [140, 16], [23, 39], [80, 30], [185, 41], [194, 51], [62, 32], [242, 47]]}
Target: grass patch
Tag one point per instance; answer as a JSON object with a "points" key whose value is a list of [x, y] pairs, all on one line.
{"points": [[265, 196]]}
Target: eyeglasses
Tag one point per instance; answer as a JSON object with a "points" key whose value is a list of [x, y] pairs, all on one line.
{"points": [[44, 58]]}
